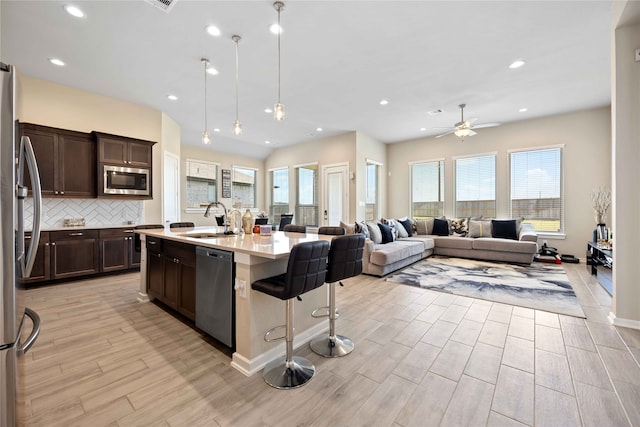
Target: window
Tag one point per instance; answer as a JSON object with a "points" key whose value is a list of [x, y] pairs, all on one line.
{"points": [[243, 187], [202, 183], [279, 179], [536, 188], [307, 195], [427, 189], [476, 186], [372, 197]]}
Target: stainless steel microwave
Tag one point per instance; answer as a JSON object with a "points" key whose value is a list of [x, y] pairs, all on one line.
{"points": [[126, 181]]}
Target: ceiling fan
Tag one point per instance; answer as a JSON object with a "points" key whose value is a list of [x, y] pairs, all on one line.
{"points": [[465, 127]]}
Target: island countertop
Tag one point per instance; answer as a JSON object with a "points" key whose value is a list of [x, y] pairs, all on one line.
{"points": [[274, 246]]}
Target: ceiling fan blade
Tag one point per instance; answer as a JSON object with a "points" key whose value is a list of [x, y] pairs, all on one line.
{"points": [[443, 127], [471, 121], [487, 125], [445, 134], [471, 133]]}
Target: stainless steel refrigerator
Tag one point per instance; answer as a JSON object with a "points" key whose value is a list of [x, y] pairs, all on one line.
{"points": [[17, 334]]}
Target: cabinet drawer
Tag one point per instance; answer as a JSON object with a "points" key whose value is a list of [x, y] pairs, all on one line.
{"points": [[154, 244], [73, 235], [185, 253], [116, 232]]}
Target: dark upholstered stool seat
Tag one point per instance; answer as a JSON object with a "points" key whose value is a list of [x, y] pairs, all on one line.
{"points": [[292, 228], [284, 220], [345, 260], [332, 231], [306, 271], [181, 224]]}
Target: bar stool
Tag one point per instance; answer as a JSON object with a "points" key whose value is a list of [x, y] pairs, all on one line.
{"points": [[345, 260], [332, 231], [306, 270], [181, 224], [292, 228]]}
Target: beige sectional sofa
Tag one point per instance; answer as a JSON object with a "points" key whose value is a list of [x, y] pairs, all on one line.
{"points": [[380, 259]]}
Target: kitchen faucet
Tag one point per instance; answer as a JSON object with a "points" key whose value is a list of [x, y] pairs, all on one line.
{"points": [[226, 218]]}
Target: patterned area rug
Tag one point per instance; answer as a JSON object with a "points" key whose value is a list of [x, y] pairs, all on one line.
{"points": [[538, 286]]}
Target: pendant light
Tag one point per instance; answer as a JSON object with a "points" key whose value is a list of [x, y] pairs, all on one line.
{"points": [[206, 139], [278, 108], [237, 125]]}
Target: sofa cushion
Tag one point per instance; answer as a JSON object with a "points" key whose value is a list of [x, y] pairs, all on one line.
{"points": [[479, 228], [454, 242], [374, 232], [503, 245], [440, 227], [348, 228], [428, 242], [504, 229], [384, 254]]}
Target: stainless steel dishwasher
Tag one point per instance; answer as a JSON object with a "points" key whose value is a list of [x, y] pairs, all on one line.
{"points": [[215, 297]]}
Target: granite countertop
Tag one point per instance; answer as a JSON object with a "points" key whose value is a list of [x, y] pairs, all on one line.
{"points": [[274, 246]]}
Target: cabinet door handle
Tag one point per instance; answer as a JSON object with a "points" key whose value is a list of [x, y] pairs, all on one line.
{"points": [[128, 231], [76, 234], [151, 242], [176, 260], [46, 244], [55, 192], [53, 244], [62, 192]]}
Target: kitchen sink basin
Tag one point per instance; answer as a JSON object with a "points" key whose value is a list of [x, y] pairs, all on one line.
{"points": [[206, 235]]}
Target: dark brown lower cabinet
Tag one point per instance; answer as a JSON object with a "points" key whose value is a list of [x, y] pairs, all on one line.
{"points": [[171, 274], [74, 253], [116, 247], [42, 265]]}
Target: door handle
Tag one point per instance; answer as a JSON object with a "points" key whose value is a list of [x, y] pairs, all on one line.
{"points": [[76, 234], [34, 333], [28, 156]]}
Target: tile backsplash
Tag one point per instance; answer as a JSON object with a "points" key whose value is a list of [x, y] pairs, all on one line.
{"points": [[96, 212]]}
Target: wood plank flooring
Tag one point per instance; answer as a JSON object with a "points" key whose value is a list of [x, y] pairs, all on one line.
{"points": [[422, 358]]}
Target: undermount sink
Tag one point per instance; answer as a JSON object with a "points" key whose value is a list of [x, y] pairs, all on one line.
{"points": [[206, 235]]}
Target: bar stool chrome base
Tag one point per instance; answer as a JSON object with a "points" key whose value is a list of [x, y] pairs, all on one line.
{"points": [[287, 375], [336, 346]]}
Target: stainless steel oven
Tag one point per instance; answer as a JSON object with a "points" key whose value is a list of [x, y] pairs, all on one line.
{"points": [[128, 181]]}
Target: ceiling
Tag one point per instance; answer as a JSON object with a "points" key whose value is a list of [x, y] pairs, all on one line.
{"points": [[339, 59]]}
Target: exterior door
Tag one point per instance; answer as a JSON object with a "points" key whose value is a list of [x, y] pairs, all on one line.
{"points": [[171, 186], [336, 194]]}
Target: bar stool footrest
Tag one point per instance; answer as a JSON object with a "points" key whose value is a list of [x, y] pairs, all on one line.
{"points": [[267, 335]]}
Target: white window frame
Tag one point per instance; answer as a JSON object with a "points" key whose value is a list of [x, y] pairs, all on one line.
{"points": [[443, 183], [255, 186], [217, 165], [547, 234], [455, 179], [378, 190], [270, 192], [296, 204]]}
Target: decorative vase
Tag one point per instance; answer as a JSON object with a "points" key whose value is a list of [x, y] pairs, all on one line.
{"points": [[247, 222], [600, 233]]}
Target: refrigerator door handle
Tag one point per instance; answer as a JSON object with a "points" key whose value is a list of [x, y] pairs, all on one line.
{"points": [[27, 154], [34, 333]]}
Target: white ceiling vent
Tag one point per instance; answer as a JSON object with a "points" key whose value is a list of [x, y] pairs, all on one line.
{"points": [[165, 5], [435, 112]]}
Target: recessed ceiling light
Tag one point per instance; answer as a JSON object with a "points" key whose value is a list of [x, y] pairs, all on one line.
{"points": [[275, 28], [216, 130], [517, 63], [522, 110], [268, 110], [319, 129], [212, 71], [384, 102], [74, 11], [172, 97], [423, 129], [56, 61], [267, 142], [213, 30]]}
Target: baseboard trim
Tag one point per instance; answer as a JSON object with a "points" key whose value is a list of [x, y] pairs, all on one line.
{"points": [[251, 366], [625, 323], [142, 297]]}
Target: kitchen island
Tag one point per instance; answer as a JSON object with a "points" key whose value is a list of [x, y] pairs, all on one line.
{"points": [[255, 257]]}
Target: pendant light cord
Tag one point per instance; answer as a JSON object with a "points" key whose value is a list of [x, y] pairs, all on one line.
{"points": [[205, 62], [279, 32], [237, 39]]}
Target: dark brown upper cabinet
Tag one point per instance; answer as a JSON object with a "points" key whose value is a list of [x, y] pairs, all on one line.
{"points": [[66, 161], [123, 151]]}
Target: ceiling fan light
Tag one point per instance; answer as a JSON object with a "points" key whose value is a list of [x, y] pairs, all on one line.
{"points": [[461, 133]]}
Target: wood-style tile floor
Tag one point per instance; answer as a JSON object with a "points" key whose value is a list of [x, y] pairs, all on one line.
{"points": [[422, 358]]}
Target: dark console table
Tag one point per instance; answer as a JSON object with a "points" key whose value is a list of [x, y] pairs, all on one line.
{"points": [[600, 263]]}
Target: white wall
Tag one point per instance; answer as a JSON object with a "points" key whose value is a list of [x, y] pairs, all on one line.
{"points": [[225, 161], [626, 174], [586, 136]]}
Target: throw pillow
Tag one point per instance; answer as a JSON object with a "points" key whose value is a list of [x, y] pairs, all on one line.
{"points": [[504, 229], [459, 227], [361, 228], [424, 226], [479, 228], [385, 231], [440, 227], [393, 226], [374, 232], [350, 229], [406, 224]]}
